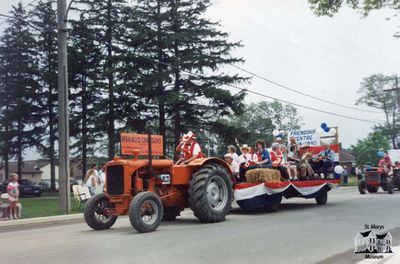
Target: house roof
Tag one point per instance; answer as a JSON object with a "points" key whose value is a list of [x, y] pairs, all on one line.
{"points": [[346, 156], [381, 236], [365, 234], [28, 166]]}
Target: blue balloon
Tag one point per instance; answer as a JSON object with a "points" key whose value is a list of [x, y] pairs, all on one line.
{"points": [[326, 129], [324, 125], [380, 154]]}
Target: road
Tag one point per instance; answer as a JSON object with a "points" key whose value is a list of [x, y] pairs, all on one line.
{"points": [[300, 232]]}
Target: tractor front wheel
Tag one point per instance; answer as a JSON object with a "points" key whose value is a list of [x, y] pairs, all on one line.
{"points": [[362, 187], [210, 193], [146, 212], [96, 215]]}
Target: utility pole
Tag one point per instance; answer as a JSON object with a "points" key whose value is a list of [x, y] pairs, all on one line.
{"points": [[63, 119]]}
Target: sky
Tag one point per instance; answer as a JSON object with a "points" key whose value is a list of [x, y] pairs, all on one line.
{"points": [[327, 57]]}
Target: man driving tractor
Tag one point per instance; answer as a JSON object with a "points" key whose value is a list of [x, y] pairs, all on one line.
{"points": [[189, 149]]}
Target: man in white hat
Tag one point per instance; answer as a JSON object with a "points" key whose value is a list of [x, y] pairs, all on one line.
{"points": [[190, 148]]}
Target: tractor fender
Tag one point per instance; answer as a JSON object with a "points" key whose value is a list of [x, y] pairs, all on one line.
{"points": [[204, 161]]}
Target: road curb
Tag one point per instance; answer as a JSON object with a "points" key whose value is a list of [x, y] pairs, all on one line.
{"points": [[11, 225]]}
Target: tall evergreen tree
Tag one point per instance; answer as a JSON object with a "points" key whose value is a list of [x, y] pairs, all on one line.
{"points": [[19, 53], [46, 36], [84, 75], [105, 17]]}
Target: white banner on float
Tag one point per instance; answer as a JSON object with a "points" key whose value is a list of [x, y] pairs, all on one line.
{"points": [[394, 155], [307, 137]]}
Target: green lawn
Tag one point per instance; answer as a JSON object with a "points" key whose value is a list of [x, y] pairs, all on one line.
{"points": [[352, 181], [47, 205]]}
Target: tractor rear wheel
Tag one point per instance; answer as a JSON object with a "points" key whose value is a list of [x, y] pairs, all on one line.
{"points": [[362, 187], [170, 213], [372, 189], [96, 215], [145, 212], [210, 193]]}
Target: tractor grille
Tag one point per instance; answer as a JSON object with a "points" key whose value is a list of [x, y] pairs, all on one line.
{"points": [[115, 180]]}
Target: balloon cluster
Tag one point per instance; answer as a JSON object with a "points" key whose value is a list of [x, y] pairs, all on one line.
{"points": [[278, 134], [327, 129]]}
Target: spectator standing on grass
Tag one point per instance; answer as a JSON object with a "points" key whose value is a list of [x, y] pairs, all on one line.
{"points": [[13, 195], [345, 175], [102, 175]]}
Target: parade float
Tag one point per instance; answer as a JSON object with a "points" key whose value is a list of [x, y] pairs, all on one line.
{"points": [[264, 188]]}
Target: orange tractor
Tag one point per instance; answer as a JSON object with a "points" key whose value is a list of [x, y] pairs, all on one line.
{"points": [[151, 190]]}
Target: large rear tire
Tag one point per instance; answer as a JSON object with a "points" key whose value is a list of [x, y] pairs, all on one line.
{"points": [[322, 199], [372, 189], [362, 187], [146, 212], [210, 193], [95, 214]]}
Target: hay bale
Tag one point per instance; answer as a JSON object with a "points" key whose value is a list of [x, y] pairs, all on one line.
{"points": [[263, 175]]}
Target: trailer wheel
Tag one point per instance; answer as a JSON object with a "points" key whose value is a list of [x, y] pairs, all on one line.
{"points": [[390, 186], [362, 187], [170, 213], [95, 213], [372, 189], [274, 205], [145, 212], [210, 193], [322, 199]]}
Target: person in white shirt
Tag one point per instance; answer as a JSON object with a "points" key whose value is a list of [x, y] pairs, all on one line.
{"points": [[233, 165], [232, 151]]}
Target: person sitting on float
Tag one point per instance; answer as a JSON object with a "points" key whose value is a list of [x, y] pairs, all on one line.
{"points": [[324, 160], [190, 148], [386, 163], [232, 151], [245, 160], [276, 159], [233, 165], [263, 158], [291, 167]]}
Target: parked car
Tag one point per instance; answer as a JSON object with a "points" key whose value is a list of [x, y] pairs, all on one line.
{"points": [[46, 185], [26, 187]]}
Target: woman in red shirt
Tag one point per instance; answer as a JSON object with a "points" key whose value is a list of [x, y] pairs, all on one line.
{"points": [[277, 159]]}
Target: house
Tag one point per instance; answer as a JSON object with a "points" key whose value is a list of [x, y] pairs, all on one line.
{"points": [[347, 159], [371, 242], [30, 170], [45, 167]]}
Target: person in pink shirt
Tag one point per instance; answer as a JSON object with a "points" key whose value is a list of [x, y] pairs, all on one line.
{"points": [[387, 164], [13, 194]]}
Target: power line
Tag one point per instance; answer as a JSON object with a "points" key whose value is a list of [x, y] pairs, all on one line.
{"points": [[307, 36], [264, 95], [327, 31], [322, 58], [299, 92]]}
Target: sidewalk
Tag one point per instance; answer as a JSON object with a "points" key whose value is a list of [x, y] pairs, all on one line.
{"points": [[10, 225]]}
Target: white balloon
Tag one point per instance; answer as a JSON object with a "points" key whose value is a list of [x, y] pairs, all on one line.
{"points": [[275, 133], [338, 169]]}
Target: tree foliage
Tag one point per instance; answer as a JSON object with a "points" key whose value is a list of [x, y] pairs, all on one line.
{"points": [[331, 7], [365, 150], [377, 91]]}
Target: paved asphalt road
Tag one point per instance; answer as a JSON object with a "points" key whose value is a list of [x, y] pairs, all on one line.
{"points": [[300, 232]]}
